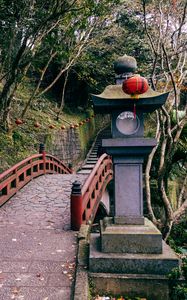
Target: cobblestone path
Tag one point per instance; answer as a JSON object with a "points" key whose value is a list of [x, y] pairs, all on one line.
{"points": [[37, 247]]}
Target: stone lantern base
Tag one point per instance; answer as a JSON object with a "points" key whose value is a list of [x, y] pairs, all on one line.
{"points": [[130, 238], [131, 256], [149, 287]]}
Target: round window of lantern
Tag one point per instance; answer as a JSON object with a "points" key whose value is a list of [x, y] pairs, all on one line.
{"points": [[127, 123]]}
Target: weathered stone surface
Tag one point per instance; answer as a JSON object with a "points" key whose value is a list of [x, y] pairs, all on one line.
{"points": [[129, 220], [38, 249], [81, 285], [128, 263], [131, 238], [84, 232], [66, 145], [81, 279], [113, 98], [83, 253], [151, 287], [35, 293]]}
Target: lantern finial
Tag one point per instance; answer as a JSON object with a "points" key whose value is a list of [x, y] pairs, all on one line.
{"points": [[124, 67]]}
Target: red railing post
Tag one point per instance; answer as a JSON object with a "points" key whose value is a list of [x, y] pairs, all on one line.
{"points": [[42, 151], [76, 206]]}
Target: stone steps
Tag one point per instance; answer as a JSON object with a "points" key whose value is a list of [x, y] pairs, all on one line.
{"points": [[92, 156], [92, 162], [87, 167], [84, 172]]}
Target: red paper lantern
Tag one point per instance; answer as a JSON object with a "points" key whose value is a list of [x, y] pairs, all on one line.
{"points": [[135, 85], [51, 126], [18, 122], [36, 124]]}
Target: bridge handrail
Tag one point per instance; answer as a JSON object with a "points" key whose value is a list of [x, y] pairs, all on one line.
{"points": [[19, 164], [85, 201], [93, 172], [13, 179], [69, 171]]}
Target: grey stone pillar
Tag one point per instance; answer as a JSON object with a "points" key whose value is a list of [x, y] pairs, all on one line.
{"points": [[128, 156], [128, 190]]}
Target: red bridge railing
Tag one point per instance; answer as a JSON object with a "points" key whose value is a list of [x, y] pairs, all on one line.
{"points": [[85, 200], [19, 175]]}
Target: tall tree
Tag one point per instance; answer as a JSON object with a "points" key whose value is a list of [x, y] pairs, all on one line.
{"points": [[66, 27], [24, 24], [165, 27]]}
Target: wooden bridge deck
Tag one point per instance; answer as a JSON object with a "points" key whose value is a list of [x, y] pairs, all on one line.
{"points": [[37, 247]]}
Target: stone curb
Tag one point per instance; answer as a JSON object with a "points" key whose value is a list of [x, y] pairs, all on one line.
{"points": [[81, 291]]}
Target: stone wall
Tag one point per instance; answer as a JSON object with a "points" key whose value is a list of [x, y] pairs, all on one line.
{"points": [[72, 144], [65, 145]]}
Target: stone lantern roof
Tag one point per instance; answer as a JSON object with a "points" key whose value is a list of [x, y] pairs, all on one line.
{"points": [[113, 97]]}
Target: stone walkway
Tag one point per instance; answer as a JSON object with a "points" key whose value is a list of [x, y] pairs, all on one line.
{"points": [[37, 247]]}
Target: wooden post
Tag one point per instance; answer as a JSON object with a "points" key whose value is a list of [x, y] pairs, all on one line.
{"points": [[42, 151], [76, 206]]}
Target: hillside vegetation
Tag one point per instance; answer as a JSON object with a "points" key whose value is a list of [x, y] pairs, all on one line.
{"points": [[24, 139], [67, 49]]}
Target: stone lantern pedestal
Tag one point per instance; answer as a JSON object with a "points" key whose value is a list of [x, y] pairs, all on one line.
{"points": [[129, 254]]}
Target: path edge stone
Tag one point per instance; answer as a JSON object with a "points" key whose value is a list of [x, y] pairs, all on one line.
{"points": [[81, 290]]}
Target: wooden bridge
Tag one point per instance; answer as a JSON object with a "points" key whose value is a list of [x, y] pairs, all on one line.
{"points": [[39, 220]]}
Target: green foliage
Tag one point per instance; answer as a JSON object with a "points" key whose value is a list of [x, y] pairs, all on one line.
{"points": [[184, 268], [174, 275], [178, 241], [178, 284], [180, 293], [33, 33], [123, 35], [178, 236], [15, 148], [24, 140], [87, 134]]}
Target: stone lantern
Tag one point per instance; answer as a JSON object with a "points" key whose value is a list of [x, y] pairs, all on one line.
{"points": [[128, 242]]}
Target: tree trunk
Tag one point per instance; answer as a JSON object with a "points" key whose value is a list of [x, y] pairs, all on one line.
{"points": [[63, 95], [147, 185], [9, 87]]}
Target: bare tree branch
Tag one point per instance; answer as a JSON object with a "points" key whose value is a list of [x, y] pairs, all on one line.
{"points": [[63, 94], [173, 82], [38, 85], [147, 174], [146, 29], [72, 60]]}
